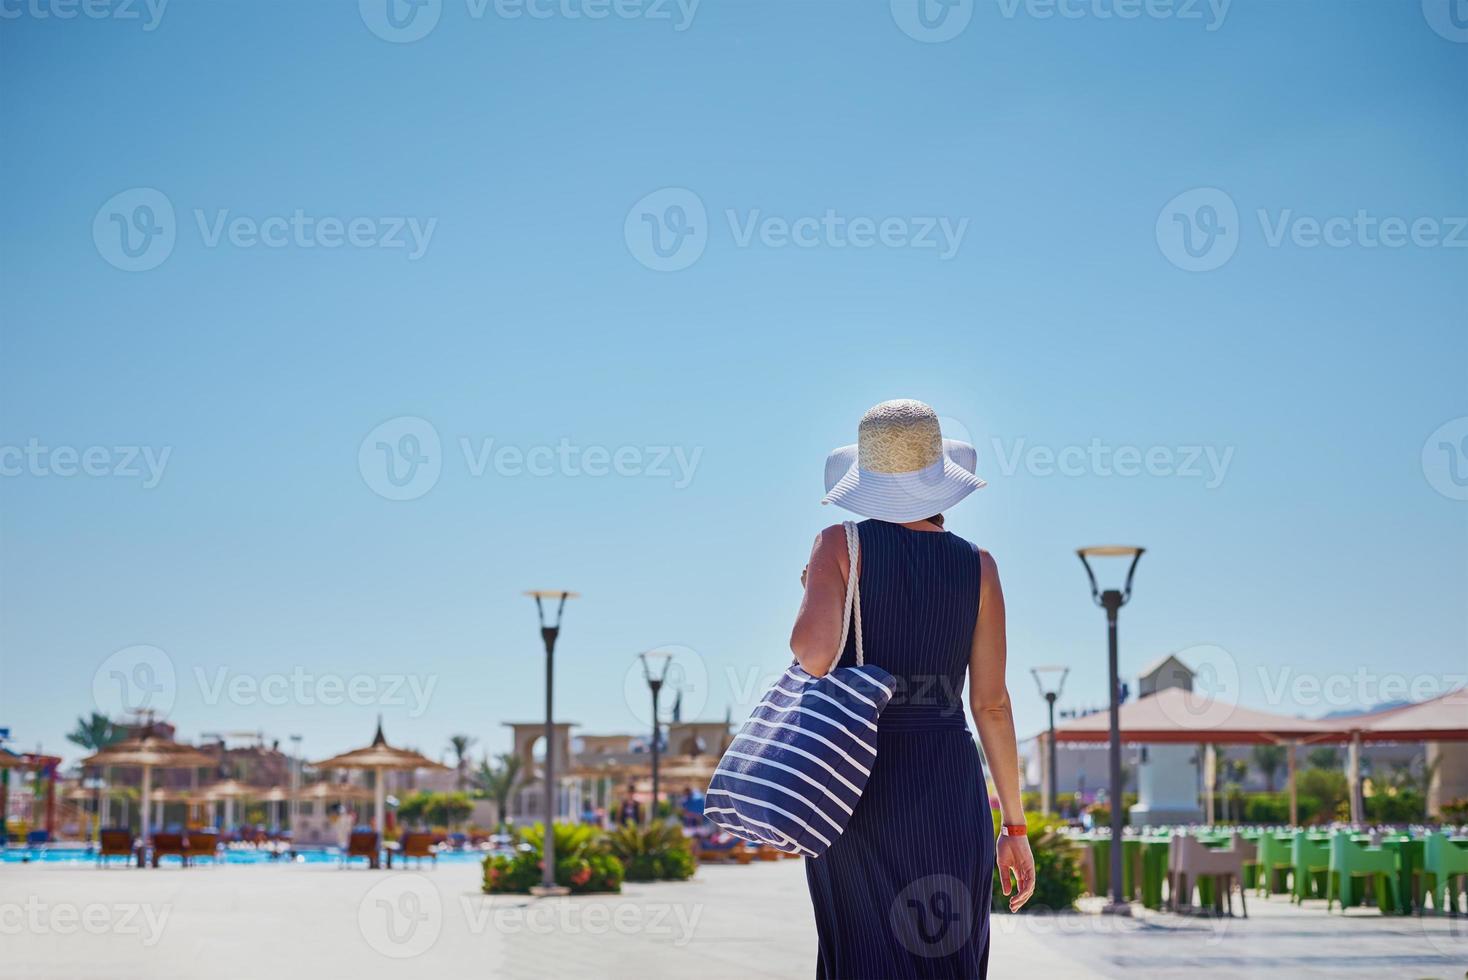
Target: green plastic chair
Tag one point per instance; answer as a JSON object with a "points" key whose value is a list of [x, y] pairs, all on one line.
{"points": [[1275, 862], [1349, 860], [1442, 860], [1310, 861]]}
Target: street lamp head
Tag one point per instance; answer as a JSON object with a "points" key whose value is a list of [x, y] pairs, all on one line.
{"points": [[1111, 598], [1054, 675], [559, 596], [663, 659]]}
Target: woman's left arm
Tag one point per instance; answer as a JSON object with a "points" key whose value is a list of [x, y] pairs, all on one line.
{"points": [[817, 631], [989, 700]]}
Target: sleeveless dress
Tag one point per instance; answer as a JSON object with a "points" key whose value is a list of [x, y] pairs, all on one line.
{"points": [[905, 891]]}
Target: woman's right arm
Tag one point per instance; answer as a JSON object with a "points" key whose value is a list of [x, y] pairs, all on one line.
{"points": [[818, 624]]}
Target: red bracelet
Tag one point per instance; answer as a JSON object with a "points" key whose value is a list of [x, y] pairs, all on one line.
{"points": [[1016, 830]]}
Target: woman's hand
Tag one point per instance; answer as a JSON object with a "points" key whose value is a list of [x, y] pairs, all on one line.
{"points": [[1015, 861]]}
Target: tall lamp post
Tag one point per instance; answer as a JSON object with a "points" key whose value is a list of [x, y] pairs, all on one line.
{"points": [[655, 684], [1112, 600], [295, 804], [1041, 675], [548, 633]]}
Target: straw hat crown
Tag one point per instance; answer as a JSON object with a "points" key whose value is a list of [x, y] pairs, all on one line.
{"points": [[899, 436]]}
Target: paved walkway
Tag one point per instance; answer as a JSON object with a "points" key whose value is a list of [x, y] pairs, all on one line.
{"points": [[256, 923]]}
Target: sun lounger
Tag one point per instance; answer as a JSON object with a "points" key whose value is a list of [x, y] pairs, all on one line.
{"points": [[116, 842], [363, 844], [415, 845], [203, 844], [169, 845]]}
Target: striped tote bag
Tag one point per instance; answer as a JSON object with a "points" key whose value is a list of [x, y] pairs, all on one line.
{"points": [[793, 774]]}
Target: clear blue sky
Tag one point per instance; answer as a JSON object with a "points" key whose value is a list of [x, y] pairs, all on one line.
{"points": [[1063, 317]]}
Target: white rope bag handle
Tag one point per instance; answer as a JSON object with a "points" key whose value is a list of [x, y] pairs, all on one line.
{"points": [[852, 612]]}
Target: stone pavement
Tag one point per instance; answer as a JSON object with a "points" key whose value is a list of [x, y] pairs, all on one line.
{"points": [[754, 921]]}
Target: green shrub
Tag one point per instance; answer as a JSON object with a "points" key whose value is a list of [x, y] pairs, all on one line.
{"points": [[1403, 806], [1274, 808], [656, 853], [1455, 811], [1057, 871], [1328, 788], [583, 862]]}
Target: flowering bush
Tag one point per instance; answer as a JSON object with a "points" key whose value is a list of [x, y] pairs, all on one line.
{"points": [[583, 863]]}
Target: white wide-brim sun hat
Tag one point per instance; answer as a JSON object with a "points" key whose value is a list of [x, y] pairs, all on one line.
{"points": [[901, 468]]}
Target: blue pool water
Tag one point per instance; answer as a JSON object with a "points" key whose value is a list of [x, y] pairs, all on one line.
{"points": [[85, 855]]}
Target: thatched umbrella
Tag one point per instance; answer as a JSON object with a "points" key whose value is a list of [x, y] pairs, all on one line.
{"points": [[148, 752], [379, 757], [228, 790]]}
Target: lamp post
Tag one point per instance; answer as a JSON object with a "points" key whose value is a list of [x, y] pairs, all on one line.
{"points": [[548, 633], [655, 684], [1052, 781], [1112, 600], [295, 803]]}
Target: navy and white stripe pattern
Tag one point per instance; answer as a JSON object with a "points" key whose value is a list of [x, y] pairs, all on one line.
{"points": [[794, 773]]}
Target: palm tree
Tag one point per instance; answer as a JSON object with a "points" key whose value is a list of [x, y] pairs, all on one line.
{"points": [[461, 744], [92, 734], [1268, 759], [96, 732], [498, 781]]}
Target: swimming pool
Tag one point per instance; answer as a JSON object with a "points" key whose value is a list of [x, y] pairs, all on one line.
{"points": [[83, 855]]}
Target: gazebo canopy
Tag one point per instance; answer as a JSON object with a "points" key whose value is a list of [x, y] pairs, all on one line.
{"points": [[331, 792], [1175, 715], [1440, 719], [151, 751], [380, 755], [229, 789]]}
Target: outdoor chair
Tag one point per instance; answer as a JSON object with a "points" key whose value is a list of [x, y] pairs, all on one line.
{"points": [[1444, 863], [1350, 860], [417, 845], [1311, 860], [1275, 863], [363, 844], [203, 844], [1189, 860], [169, 845], [116, 842]]}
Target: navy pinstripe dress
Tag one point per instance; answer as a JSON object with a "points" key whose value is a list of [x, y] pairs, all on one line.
{"points": [[905, 891]]}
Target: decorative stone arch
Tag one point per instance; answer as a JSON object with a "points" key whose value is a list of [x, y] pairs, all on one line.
{"points": [[697, 738], [527, 733]]}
